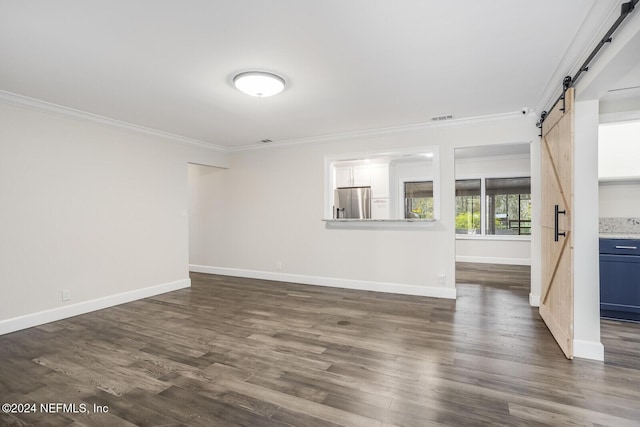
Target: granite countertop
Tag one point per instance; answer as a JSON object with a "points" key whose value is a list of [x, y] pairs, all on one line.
{"points": [[620, 228], [620, 236]]}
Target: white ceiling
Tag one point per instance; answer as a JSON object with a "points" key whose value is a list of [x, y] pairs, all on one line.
{"points": [[350, 65]]}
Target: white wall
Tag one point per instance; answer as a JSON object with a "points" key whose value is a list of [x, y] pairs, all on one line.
{"points": [[536, 228], [586, 267], [95, 209], [619, 199], [277, 210], [209, 214], [493, 249], [503, 166], [619, 150], [618, 154]]}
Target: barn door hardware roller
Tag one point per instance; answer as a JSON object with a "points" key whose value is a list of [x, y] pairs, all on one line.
{"points": [[566, 84]]}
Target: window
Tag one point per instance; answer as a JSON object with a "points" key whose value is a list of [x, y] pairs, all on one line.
{"points": [[418, 199], [508, 206], [404, 187], [493, 206], [468, 206]]}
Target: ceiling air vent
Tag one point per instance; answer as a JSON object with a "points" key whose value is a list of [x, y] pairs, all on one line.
{"points": [[440, 118]]}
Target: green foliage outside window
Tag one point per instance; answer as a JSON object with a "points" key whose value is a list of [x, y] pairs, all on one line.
{"points": [[507, 206], [512, 213], [421, 207], [418, 199], [468, 213], [468, 221]]}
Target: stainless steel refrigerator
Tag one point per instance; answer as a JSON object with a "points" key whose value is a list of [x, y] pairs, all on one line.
{"points": [[352, 203]]}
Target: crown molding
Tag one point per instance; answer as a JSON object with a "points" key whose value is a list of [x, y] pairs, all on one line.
{"points": [[48, 107], [387, 130]]}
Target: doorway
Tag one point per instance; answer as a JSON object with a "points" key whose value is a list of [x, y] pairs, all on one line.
{"points": [[208, 215], [493, 204]]}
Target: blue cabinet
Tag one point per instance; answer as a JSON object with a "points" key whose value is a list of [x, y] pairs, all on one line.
{"points": [[620, 279]]}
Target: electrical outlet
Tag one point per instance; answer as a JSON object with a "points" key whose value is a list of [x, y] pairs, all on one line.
{"points": [[279, 265], [66, 295]]}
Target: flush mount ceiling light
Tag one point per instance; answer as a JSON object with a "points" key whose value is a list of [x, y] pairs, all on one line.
{"points": [[259, 83]]}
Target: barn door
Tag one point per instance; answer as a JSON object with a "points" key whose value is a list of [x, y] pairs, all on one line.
{"points": [[556, 303]]}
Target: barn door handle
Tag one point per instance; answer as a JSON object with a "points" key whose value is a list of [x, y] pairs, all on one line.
{"points": [[555, 225]]}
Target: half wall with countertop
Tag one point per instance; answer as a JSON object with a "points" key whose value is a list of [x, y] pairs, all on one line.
{"points": [[277, 206]]}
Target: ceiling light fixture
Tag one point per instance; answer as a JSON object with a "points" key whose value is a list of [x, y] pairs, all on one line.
{"points": [[259, 83]]}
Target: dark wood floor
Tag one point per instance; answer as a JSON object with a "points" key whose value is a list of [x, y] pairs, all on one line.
{"points": [[247, 352]]}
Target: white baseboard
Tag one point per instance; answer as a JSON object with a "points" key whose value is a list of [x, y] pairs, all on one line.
{"points": [[59, 313], [592, 350], [534, 300], [493, 260], [394, 288]]}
